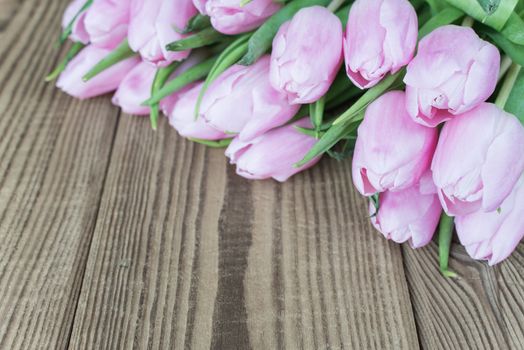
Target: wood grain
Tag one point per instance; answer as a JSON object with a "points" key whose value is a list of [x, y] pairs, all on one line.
{"points": [[239, 265], [117, 237], [52, 172]]}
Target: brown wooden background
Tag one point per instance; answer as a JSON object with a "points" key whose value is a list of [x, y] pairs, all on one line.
{"points": [[113, 236]]}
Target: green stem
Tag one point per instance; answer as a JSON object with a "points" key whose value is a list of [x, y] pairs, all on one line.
{"points": [[316, 114], [445, 232], [73, 51], [215, 144], [505, 63], [161, 76], [468, 21], [205, 37], [335, 4], [507, 85], [191, 75], [122, 52]]}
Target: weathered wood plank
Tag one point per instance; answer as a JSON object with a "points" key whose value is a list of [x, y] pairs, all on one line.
{"points": [[55, 152], [457, 313], [187, 255]]}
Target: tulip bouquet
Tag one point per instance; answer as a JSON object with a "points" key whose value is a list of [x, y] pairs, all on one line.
{"points": [[415, 90]]}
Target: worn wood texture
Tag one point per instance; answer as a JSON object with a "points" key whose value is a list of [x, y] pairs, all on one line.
{"points": [[117, 237], [55, 152]]}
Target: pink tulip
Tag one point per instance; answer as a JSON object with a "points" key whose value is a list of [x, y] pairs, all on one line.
{"points": [[410, 214], [381, 36], [152, 27], [230, 17], [135, 88], [106, 22], [72, 13], [273, 154], [200, 6], [180, 109], [392, 152], [242, 101], [71, 78], [493, 236], [453, 72], [478, 160], [298, 67]]}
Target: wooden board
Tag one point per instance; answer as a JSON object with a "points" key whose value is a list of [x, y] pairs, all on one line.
{"points": [[113, 236]]}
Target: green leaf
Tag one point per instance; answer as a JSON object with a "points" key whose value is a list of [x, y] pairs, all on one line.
{"points": [[197, 72], [489, 6], [197, 23], [445, 232], [370, 95], [161, 76], [515, 102], [514, 29], [225, 60], [205, 37], [307, 131], [341, 89], [444, 17], [496, 20], [343, 14], [262, 39], [122, 52], [73, 51], [215, 144], [437, 5], [514, 51], [69, 28], [330, 138]]}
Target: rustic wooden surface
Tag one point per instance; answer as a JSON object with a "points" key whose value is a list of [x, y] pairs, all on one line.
{"points": [[116, 237]]}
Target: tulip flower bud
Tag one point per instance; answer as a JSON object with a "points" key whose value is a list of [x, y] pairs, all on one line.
{"points": [[231, 17], [493, 236], [478, 160], [180, 110], [106, 22], [453, 72], [71, 81], [299, 67], [381, 36], [241, 100], [410, 214], [78, 33], [392, 152], [273, 154], [152, 26], [135, 88]]}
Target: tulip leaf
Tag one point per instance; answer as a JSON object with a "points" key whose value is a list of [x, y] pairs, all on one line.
{"points": [[514, 29], [205, 37], [341, 89], [370, 95], [161, 76], [489, 6], [214, 144], [196, 23], [348, 146], [197, 72], [514, 51], [122, 52], [445, 232], [262, 39], [515, 102], [225, 60], [343, 15], [497, 19], [437, 5], [69, 28], [73, 51], [332, 136], [444, 17]]}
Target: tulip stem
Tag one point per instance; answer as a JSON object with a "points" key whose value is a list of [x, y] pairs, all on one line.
{"points": [[468, 21], [505, 63], [507, 85], [161, 76], [445, 232], [73, 51], [335, 4]]}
